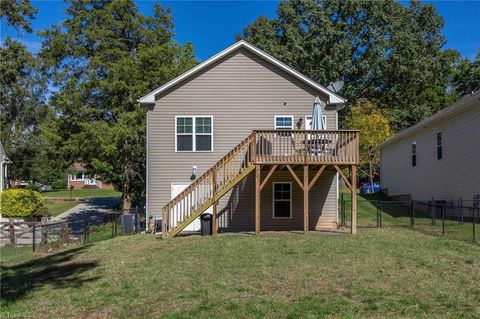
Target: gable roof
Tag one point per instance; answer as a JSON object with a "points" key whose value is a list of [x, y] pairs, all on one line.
{"points": [[333, 98], [464, 102]]}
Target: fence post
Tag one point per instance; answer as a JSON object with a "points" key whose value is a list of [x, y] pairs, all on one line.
{"points": [[11, 227], [85, 231], [33, 237], [444, 209], [378, 213], [432, 211], [461, 209], [473, 223], [114, 227], [412, 212]]}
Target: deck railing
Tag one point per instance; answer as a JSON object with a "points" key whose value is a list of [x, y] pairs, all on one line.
{"points": [[260, 147], [306, 147]]}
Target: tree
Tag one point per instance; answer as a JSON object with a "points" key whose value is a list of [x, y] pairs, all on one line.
{"points": [[17, 13], [103, 57], [375, 128], [384, 51], [23, 111], [466, 77]]}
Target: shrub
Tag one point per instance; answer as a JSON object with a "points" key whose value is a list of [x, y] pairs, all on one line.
{"points": [[32, 187], [59, 184], [22, 203]]}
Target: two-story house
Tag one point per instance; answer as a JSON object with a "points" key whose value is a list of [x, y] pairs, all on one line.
{"points": [[437, 158], [231, 137]]}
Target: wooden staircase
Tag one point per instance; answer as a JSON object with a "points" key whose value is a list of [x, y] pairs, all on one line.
{"points": [[337, 148], [209, 188]]}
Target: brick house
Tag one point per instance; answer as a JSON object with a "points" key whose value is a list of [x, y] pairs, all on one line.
{"points": [[80, 178]]}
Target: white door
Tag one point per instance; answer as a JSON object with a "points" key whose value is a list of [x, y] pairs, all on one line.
{"points": [[176, 189]]}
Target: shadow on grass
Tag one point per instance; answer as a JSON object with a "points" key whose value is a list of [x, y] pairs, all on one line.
{"points": [[56, 270]]}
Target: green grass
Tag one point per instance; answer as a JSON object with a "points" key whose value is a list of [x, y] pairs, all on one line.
{"points": [[380, 272], [57, 207], [82, 192], [395, 214], [392, 272]]}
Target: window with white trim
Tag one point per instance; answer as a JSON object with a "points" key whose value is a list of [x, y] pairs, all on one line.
{"points": [[283, 122], [193, 133], [282, 200], [308, 122]]}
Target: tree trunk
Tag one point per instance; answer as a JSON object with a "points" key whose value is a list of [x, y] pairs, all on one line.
{"points": [[127, 189], [371, 177]]}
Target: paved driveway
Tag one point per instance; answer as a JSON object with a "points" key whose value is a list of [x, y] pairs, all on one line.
{"points": [[92, 209]]}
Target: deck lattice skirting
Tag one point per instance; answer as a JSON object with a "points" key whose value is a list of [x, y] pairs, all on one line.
{"points": [[293, 149]]}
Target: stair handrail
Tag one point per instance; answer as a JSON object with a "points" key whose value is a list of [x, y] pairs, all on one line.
{"points": [[203, 177]]}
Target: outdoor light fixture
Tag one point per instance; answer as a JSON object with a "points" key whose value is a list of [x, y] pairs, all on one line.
{"points": [[299, 123], [194, 172]]}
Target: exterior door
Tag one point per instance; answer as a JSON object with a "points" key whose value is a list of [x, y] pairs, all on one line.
{"points": [[177, 188]]}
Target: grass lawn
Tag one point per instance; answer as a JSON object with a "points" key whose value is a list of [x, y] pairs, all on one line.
{"points": [[398, 215], [391, 272], [82, 192], [56, 207]]}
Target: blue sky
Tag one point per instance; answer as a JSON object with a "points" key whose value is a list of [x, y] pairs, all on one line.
{"points": [[211, 26]]}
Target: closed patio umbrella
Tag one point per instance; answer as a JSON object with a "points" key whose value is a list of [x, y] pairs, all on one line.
{"points": [[317, 122]]}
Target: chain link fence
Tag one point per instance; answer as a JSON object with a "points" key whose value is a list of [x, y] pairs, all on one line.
{"points": [[48, 236], [454, 219]]}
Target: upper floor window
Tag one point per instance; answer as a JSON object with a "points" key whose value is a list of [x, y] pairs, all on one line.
{"points": [[283, 122], [193, 134], [439, 146], [308, 122], [414, 154]]}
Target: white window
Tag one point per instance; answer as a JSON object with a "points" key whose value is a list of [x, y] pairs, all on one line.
{"points": [[282, 200], [308, 122], [283, 122], [193, 133]]}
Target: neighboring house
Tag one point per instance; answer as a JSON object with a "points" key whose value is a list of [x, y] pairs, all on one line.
{"points": [[438, 157], [81, 179], [4, 161], [203, 155]]}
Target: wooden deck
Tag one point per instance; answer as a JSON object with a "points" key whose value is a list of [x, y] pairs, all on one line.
{"points": [[293, 150]]}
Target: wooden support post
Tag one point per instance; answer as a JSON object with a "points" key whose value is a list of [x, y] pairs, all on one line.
{"points": [[257, 199], [353, 184], [164, 222], [214, 206], [305, 199]]}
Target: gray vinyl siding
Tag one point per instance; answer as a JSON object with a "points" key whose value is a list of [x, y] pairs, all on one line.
{"points": [[238, 207], [242, 92], [456, 175]]}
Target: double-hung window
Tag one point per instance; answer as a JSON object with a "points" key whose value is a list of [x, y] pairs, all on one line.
{"points": [[283, 122], [282, 200], [193, 133], [439, 146], [414, 154]]}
